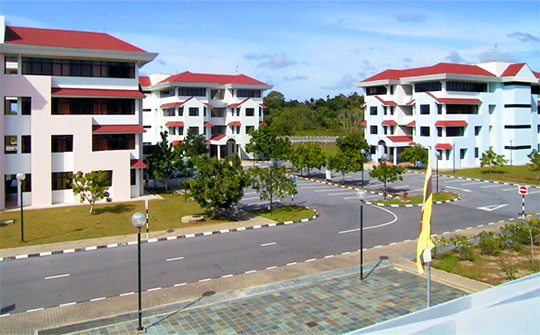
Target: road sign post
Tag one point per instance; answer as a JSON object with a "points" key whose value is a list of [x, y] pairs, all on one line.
{"points": [[146, 207], [294, 182], [523, 190]]}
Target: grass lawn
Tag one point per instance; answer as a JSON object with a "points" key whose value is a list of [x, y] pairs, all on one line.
{"points": [[318, 132], [442, 196], [516, 174], [43, 226], [329, 148], [285, 213]]}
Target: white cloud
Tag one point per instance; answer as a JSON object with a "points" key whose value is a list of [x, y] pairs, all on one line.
{"points": [[524, 37], [271, 61]]}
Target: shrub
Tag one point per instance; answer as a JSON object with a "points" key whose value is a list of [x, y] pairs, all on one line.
{"points": [[440, 242], [509, 237], [509, 269], [489, 244], [463, 248]]}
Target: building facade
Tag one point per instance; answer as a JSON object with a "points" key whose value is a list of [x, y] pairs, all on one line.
{"points": [[223, 108], [70, 102], [459, 110]]}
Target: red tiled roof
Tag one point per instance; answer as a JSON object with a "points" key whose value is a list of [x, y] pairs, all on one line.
{"points": [[410, 102], [512, 70], [456, 123], [96, 93], [445, 146], [400, 138], [66, 39], [234, 123], [208, 124], [174, 124], [217, 137], [206, 142], [363, 122], [174, 104], [386, 103], [177, 142], [238, 104], [389, 123], [208, 105], [137, 163], [118, 128], [263, 106], [440, 68], [455, 101], [262, 123], [536, 74], [221, 79], [144, 81], [411, 124]]}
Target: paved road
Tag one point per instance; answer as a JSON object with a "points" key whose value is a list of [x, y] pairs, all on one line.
{"points": [[60, 279]]}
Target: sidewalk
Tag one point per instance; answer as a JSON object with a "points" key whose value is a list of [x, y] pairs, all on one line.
{"points": [[322, 289]]}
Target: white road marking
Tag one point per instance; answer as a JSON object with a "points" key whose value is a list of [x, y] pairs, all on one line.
{"points": [[181, 284], [489, 186], [326, 190], [474, 183], [251, 198], [57, 276], [460, 189], [203, 280], [374, 185], [175, 259], [126, 294], [293, 263], [97, 299], [372, 227], [271, 267], [454, 181], [318, 186], [268, 244], [250, 193], [510, 189], [34, 310], [227, 276], [343, 193], [398, 187], [310, 260], [492, 207], [534, 192], [154, 289], [67, 304], [349, 231], [250, 271], [329, 256]]}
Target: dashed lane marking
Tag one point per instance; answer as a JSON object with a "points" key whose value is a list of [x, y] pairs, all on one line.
{"points": [[174, 259], [268, 244], [460, 189], [57, 276], [489, 186]]}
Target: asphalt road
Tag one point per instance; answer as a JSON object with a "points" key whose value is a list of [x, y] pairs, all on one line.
{"points": [[54, 280]]}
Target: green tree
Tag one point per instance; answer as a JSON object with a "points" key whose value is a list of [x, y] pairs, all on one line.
{"points": [[298, 157], [271, 184], [387, 174], [165, 159], [534, 165], [491, 160], [309, 155], [352, 144], [414, 154], [91, 186], [265, 142], [342, 163], [195, 149], [220, 184]]}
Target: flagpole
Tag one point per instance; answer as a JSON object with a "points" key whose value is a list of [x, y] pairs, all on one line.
{"points": [[428, 284]]}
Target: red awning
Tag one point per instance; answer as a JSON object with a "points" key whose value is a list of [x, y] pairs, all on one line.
{"points": [[208, 105], [206, 142], [451, 123], [238, 104], [363, 123], [77, 92], [217, 137], [234, 123], [174, 124], [171, 105], [262, 123], [177, 142], [459, 101], [263, 106], [444, 146], [386, 103], [208, 124], [389, 123], [411, 124], [137, 163], [400, 138], [118, 128]]}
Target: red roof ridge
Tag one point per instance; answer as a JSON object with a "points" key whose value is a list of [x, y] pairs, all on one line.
{"points": [[512, 69], [221, 79]]}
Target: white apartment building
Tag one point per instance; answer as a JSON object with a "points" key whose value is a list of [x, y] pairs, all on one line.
{"points": [[70, 102], [459, 110], [224, 108]]}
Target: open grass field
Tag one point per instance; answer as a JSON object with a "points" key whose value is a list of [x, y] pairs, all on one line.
{"points": [[285, 213], [43, 226], [329, 148], [318, 132], [508, 173]]}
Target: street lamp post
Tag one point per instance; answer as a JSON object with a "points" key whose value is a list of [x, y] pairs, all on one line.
{"points": [[21, 177], [362, 195], [363, 153], [438, 155], [138, 219], [454, 156]]}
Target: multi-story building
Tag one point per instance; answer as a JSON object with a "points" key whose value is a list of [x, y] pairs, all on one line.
{"points": [[459, 110], [224, 108], [70, 102]]}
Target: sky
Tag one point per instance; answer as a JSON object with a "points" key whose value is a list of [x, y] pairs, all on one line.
{"points": [[304, 49]]}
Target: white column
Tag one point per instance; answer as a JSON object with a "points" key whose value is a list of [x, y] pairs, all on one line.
{"points": [[395, 155], [218, 151]]}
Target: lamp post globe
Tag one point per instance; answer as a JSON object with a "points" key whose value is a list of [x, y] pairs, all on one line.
{"points": [[137, 220], [361, 196], [363, 153], [21, 177]]}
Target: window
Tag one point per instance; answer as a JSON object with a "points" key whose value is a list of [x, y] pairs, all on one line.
{"points": [[63, 106], [133, 177], [113, 142], [373, 110], [461, 109], [260, 112], [166, 93], [424, 131], [60, 181], [193, 111], [535, 89], [373, 130], [492, 109], [249, 129], [476, 152], [11, 64], [250, 111], [181, 111], [11, 106], [462, 153], [146, 110], [168, 112], [218, 112], [477, 130], [172, 130], [12, 184], [439, 132], [147, 127], [232, 93], [376, 90], [455, 131], [385, 130], [10, 145], [518, 126], [428, 86], [26, 142], [439, 109], [385, 110], [77, 68], [191, 91], [193, 130], [217, 94], [391, 110], [464, 86], [424, 109], [391, 89], [205, 111], [248, 93]]}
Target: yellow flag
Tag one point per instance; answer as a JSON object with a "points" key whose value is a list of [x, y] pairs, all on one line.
{"points": [[424, 240]]}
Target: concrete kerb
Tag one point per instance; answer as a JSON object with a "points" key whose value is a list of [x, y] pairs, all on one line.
{"points": [[412, 205], [168, 238], [481, 180]]}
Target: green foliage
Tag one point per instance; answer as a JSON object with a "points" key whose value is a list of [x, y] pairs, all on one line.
{"points": [[534, 165], [352, 144], [463, 247], [344, 163], [414, 154], [165, 159], [265, 142], [309, 155], [220, 184], [513, 236], [195, 149], [91, 186], [440, 242], [387, 173], [489, 243], [491, 160], [271, 183], [509, 269]]}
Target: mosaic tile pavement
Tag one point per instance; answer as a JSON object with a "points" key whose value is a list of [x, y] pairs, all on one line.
{"points": [[331, 306]]}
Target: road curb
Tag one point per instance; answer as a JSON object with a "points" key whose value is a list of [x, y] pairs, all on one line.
{"points": [[169, 238], [482, 180], [412, 205]]}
